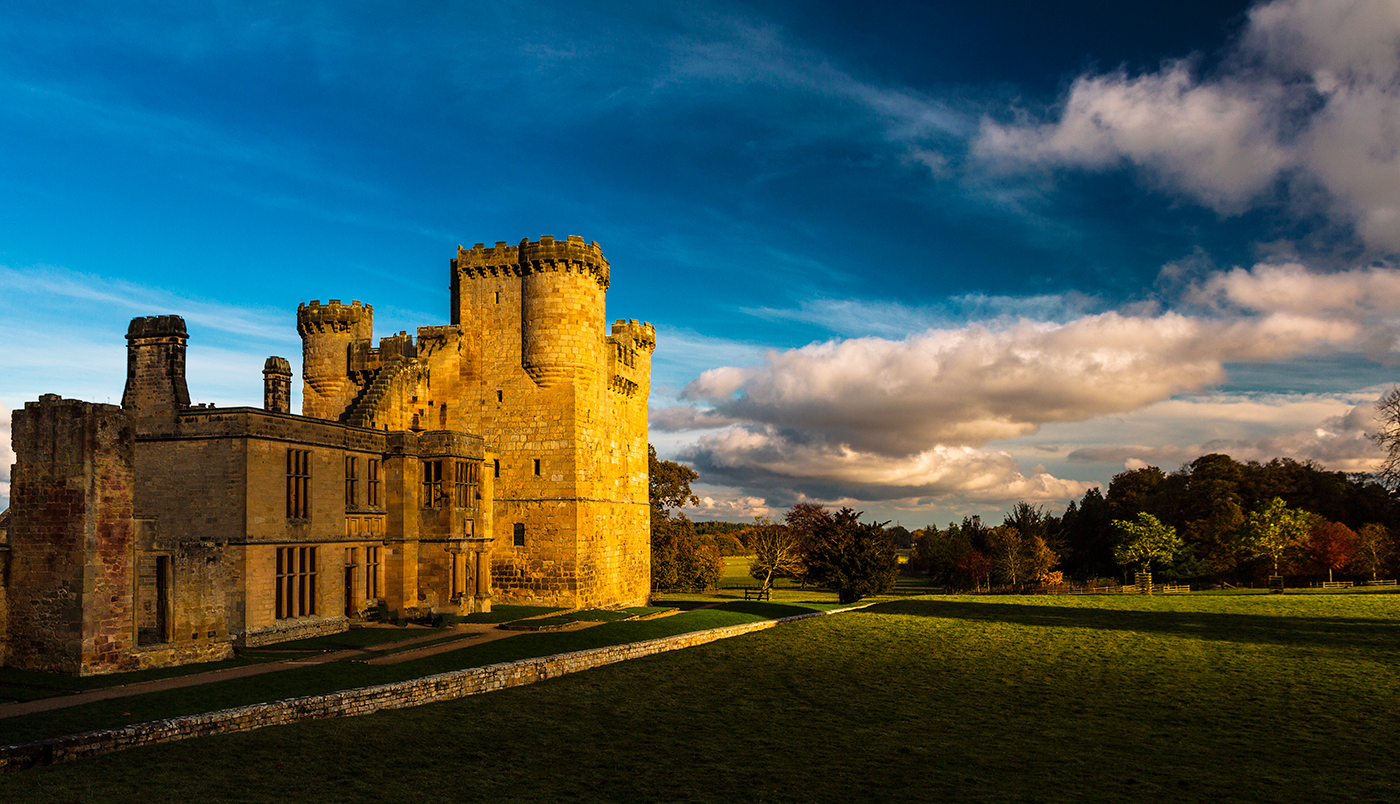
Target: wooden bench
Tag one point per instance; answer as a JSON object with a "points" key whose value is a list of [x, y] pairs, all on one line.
{"points": [[751, 593]]}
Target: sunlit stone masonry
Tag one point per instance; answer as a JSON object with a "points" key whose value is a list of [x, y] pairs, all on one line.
{"points": [[502, 457]]}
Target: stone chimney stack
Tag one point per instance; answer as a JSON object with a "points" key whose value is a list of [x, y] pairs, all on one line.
{"points": [[155, 366], [277, 385]]}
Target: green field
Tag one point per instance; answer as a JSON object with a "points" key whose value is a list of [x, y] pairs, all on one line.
{"points": [[972, 698]]}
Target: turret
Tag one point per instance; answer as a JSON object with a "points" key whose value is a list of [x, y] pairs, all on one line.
{"points": [[277, 385], [562, 287], [327, 331], [155, 366]]}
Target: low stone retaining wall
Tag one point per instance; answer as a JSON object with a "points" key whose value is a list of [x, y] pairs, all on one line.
{"points": [[365, 700], [287, 630]]}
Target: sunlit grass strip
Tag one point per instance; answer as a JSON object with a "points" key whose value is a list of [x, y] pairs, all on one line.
{"points": [[363, 701], [324, 678]]}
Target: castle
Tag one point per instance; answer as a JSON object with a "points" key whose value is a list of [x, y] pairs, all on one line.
{"points": [[501, 457]]}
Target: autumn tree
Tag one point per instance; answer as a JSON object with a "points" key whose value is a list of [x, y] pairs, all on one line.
{"points": [[855, 558], [1374, 547], [680, 559], [1145, 541], [1276, 530], [1332, 545], [1020, 558], [803, 520]]}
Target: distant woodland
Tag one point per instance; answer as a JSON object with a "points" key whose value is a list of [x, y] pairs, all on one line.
{"points": [[1214, 521]]}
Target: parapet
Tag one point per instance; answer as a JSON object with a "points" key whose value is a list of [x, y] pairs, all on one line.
{"points": [[157, 326], [547, 254], [643, 333], [354, 318]]}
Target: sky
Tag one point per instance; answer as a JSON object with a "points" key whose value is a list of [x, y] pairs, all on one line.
{"points": [[925, 260]]}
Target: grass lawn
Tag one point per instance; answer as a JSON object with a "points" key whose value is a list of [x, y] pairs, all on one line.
{"points": [[1212, 698], [320, 678]]}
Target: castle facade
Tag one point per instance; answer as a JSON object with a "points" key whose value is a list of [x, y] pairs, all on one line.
{"points": [[500, 457]]}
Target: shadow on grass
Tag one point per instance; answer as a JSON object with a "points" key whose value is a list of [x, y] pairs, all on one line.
{"points": [[768, 611], [1331, 632]]}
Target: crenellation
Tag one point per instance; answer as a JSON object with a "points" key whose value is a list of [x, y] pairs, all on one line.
{"points": [[498, 457]]}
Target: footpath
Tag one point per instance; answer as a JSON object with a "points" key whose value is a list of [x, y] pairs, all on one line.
{"points": [[383, 653], [353, 702]]}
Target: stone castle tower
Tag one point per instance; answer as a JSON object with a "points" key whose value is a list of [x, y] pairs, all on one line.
{"points": [[529, 365], [501, 457]]}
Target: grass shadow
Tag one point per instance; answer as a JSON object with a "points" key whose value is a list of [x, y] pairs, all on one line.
{"points": [[1294, 631]]}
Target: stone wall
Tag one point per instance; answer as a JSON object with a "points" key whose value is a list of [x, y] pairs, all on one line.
{"points": [[72, 538], [366, 700]]}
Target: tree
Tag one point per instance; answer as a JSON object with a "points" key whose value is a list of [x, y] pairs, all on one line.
{"points": [[776, 554], [669, 484], [1388, 436], [1277, 529], [1020, 558], [680, 559], [975, 566], [852, 557], [1374, 547], [1332, 545], [1144, 542], [802, 520]]}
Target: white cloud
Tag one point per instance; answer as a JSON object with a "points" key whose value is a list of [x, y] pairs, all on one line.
{"points": [[7, 457], [1284, 427], [946, 414], [758, 457], [975, 384], [1310, 95]]}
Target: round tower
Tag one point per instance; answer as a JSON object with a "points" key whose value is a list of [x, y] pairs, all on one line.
{"points": [[326, 331], [562, 296]]}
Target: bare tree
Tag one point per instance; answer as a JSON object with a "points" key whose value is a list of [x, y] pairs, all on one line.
{"points": [[1388, 437]]}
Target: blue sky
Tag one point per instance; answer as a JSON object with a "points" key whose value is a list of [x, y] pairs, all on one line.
{"points": [[922, 259]]}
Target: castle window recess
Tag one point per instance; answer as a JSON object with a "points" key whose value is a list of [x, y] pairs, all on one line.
{"points": [[500, 396], [352, 481], [520, 534], [537, 467], [498, 297], [372, 572], [464, 493], [296, 582], [298, 484], [496, 467], [432, 484], [372, 482]]}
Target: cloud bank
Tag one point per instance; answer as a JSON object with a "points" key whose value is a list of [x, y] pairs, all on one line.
{"points": [[884, 419], [1309, 98]]}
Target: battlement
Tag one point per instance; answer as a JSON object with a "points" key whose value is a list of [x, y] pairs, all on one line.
{"points": [[546, 254], [642, 333], [157, 326], [315, 317]]}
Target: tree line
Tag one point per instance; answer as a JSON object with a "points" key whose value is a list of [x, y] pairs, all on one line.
{"points": [[1214, 520], [811, 545]]}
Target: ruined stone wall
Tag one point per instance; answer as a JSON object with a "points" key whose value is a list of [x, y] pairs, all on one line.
{"points": [[71, 574]]}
